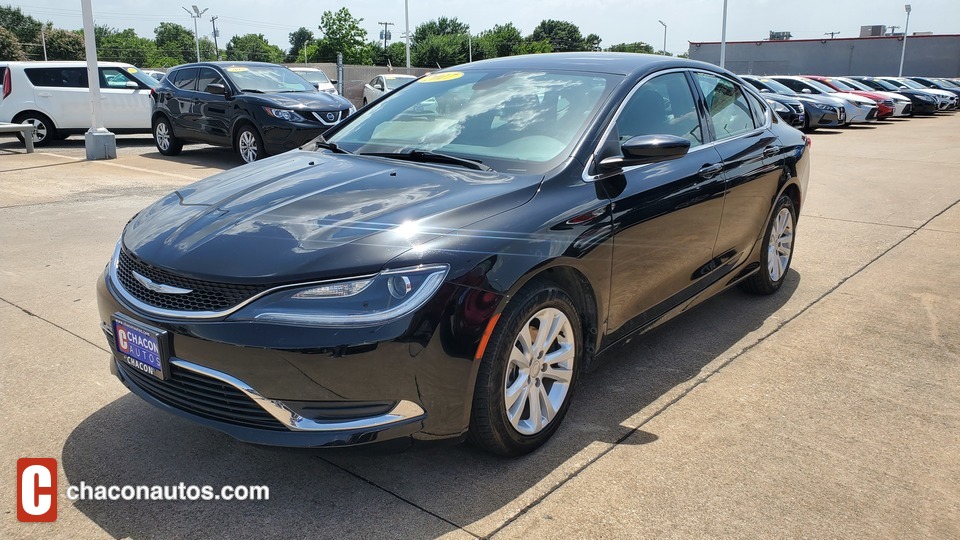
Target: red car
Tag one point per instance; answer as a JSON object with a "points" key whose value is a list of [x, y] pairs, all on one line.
{"points": [[885, 105]]}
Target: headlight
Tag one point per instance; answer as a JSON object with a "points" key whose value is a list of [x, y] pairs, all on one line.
{"points": [[858, 104], [778, 107], [284, 114], [828, 108], [351, 110], [365, 301]]}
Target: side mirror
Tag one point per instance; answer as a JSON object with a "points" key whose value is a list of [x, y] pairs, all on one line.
{"points": [[333, 81], [764, 90], [806, 91], [316, 85], [647, 149], [378, 86], [216, 88], [131, 85]]}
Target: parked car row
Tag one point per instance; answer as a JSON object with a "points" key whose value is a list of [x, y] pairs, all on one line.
{"points": [[810, 101], [258, 109]]}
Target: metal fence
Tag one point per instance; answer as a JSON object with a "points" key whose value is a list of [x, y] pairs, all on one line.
{"points": [[354, 77]]}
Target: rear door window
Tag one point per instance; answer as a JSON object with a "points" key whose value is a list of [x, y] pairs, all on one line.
{"points": [[58, 77], [186, 79], [758, 109]]}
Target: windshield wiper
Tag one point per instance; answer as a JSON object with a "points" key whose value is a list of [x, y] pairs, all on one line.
{"points": [[254, 90], [426, 156], [330, 146]]}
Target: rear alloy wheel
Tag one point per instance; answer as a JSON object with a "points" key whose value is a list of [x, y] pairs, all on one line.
{"points": [[249, 144], [167, 143], [777, 250], [528, 371], [44, 132]]}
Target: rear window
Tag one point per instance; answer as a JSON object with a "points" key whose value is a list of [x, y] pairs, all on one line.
{"points": [[185, 78], [72, 77]]}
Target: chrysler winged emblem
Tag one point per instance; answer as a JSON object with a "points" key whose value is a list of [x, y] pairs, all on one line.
{"points": [[159, 287]]}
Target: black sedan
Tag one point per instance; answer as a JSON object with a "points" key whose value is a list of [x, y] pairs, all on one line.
{"points": [[420, 276], [789, 110], [922, 102], [257, 109]]}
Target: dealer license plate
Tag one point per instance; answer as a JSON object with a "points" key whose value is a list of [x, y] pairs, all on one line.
{"points": [[141, 346]]}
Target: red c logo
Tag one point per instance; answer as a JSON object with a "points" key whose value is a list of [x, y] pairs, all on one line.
{"points": [[37, 489]]}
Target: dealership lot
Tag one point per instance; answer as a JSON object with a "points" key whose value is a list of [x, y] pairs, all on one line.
{"points": [[830, 409]]}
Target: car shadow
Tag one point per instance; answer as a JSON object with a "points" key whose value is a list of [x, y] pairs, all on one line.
{"points": [[320, 493], [202, 156], [824, 131]]}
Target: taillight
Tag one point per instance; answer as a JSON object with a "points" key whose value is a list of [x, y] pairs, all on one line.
{"points": [[7, 87]]}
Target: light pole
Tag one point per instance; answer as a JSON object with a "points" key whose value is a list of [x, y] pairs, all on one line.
{"points": [[99, 143], [903, 50], [664, 35], [723, 36], [406, 35], [195, 15]]}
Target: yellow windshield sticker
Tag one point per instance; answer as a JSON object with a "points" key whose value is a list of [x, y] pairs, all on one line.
{"points": [[440, 77], [237, 69], [132, 70]]}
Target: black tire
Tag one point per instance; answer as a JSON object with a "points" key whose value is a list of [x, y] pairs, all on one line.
{"points": [[249, 144], [490, 427], [763, 281], [167, 143], [45, 132]]}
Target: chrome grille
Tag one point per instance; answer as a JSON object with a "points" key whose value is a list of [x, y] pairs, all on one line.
{"points": [[204, 295]]}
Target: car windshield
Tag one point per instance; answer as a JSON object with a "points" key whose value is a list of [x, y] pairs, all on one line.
{"points": [[777, 87], [396, 82], [819, 86], [314, 77], [855, 85], [884, 85], [519, 121], [141, 77], [946, 83], [842, 86], [267, 78], [910, 84]]}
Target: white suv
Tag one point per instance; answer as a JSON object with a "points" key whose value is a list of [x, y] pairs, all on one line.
{"points": [[55, 97]]}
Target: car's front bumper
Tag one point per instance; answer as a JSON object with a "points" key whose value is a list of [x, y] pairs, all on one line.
{"points": [[309, 387]]}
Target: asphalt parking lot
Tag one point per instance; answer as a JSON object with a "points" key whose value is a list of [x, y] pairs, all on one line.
{"points": [[830, 409]]}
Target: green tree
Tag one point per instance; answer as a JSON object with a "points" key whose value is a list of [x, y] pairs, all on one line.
{"points": [[342, 33], [10, 48], [443, 26], [126, 46], [683, 55], [562, 35], [64, 45], [298, 41], [176, 42], [592, 43], [443, 50], [253, 48], [501, 40], [24, 27], [635, 47], [530, 46]]}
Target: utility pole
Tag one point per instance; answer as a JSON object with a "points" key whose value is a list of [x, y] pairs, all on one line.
{"points": [[893, 29], [385, 34], [831, 34], [664, 35], [216, 34], [43, 40], [195, 15]]}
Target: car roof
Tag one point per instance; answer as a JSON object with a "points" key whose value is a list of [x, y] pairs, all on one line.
{"points": [[227, 64], [62, 64], [597, 62], [300, 68]]}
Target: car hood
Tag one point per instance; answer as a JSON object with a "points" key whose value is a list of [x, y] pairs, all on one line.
{"points": [[853, 97], [307, 101], [314, 215], [820, 100]]}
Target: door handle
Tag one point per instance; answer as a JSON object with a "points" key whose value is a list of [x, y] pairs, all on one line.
{"points": [[771, 151], [44, 94], [709, 171]]}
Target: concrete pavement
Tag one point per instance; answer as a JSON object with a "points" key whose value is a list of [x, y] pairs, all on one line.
{"points": [[828, 410]]}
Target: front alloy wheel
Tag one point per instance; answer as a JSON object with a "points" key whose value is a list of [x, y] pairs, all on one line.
{"points": [[527, 373], [539, 371], [249, 145]]}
